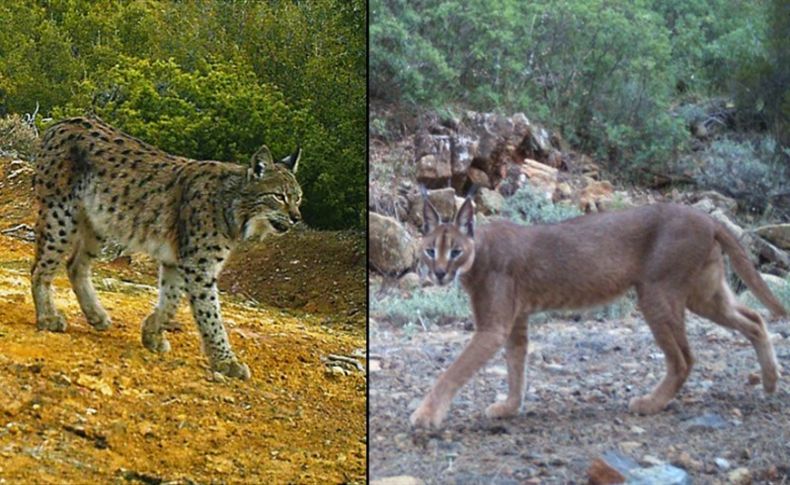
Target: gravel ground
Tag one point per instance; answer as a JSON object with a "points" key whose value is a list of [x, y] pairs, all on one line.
{"points": [[580, 377]]}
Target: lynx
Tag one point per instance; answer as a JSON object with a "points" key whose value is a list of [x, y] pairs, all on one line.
{"points": [[93, 182], [671, 254]]}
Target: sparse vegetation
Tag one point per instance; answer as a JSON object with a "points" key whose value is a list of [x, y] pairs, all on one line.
{"points": [[527, 206], [424, 307]]}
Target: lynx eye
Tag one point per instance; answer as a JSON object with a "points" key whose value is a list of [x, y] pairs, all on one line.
{"points": [[280, 198], [455, 252], [430, 253]]}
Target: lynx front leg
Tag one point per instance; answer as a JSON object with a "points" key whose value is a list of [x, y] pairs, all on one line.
{"points": [[515, 355], [201, 285], [171, 287], [481, 348]]}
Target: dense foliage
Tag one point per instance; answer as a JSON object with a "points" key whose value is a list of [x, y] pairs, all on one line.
{"points": [[613, 77], [207, 79]]}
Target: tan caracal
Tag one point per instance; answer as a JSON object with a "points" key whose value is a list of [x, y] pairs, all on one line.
{"points": [[671, 255]]}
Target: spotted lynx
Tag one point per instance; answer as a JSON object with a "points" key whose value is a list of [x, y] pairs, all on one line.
{"points": [[94, 182]]}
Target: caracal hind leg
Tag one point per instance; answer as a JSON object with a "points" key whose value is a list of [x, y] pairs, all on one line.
{"points": [[515, 355], [171, 287], [86, 250], [201, 286], [55, 233], [664, 316], [721, 307]]}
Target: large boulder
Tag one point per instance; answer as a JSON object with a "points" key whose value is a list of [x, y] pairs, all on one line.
{"points": [[392, 250], [776, 234], [489, 201], [443, 200]]}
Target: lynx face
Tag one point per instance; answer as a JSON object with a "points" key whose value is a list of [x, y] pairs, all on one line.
{"points": [[271, 198], [448, 249]]}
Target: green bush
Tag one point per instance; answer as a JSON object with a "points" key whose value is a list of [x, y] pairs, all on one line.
{"points": [[527, 206], [206, 79], [746, 170]]}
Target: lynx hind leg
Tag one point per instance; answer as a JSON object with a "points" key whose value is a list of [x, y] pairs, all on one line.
{"points": [[86, 249], [515, 356], [201, 286], [55, 233], [721, 307], [171, 287], [664, 316]]}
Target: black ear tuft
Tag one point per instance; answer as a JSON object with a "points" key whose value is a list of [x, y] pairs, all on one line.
{"points": [[465, 217], [291, 162]]}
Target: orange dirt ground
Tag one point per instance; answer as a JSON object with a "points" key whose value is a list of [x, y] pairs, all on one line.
{"points": [[96, 407]]}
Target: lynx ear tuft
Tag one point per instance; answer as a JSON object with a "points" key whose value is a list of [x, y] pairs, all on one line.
{"points": [[291, 162], [465, 217], [260, 162]]}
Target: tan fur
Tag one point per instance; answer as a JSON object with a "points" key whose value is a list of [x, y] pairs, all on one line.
{"points": [[94, 182], [671, 255]]}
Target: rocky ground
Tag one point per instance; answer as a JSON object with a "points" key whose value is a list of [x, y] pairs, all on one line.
{"points": [[581, 374], [91, 407]]}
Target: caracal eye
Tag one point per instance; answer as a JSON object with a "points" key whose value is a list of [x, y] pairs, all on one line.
{"points": [[455, 253], [430, 253]]}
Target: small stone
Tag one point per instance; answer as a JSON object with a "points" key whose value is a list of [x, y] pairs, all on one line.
{"points": [[398, 480], [637, 430], [685, 461], [629, 446], [706, 422], [721, 463], [664, 474], [739, 476], [374, 365], [601, 473], [754, 379]]}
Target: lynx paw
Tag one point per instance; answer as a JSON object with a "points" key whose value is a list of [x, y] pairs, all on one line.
{"points": [[502, 409], [99, 321], [52, 323], [428, 415], [646, 405], [232, 368], [156, 342]]}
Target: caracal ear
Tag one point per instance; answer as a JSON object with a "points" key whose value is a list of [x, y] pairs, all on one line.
{"points": [[465, 218], [260, 162], [430, 216], [291, 162]]}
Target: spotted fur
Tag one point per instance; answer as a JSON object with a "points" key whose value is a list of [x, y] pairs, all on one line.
{"points": [[94, 182]]}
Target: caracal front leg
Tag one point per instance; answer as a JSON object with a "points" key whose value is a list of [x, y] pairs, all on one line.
{"points": [[201, 286], [479, 350], [515, 355], [171, 287]]}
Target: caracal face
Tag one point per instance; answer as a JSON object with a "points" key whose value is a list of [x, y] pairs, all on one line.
{"points": [[448, 249]]}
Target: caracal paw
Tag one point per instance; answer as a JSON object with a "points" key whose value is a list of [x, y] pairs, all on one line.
{"points": [[646, 405], [502, 409]]}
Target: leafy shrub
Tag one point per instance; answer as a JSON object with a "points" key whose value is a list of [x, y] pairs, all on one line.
{"points": [[747, 171], [527, 206], [17, 137]]}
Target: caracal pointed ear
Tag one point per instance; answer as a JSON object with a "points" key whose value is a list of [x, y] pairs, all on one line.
{"points": [[430, 216], [291, 162], [465, 218], [260, 162]]}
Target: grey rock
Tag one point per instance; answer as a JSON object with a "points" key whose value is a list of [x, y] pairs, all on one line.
{"points": [[658, 475]]}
